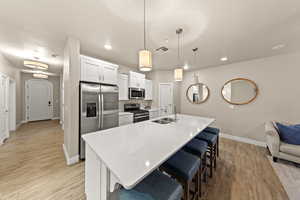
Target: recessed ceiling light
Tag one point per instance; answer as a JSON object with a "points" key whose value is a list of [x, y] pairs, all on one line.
{"points": [[224, 59], [185, 67], [279, 46], [108, 47]]}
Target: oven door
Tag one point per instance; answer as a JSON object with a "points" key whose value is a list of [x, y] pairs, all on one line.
{"points": [[136, 93], [140, 118]]}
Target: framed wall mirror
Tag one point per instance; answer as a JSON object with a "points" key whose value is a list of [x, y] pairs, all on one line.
{"points": [[239, 91], [197, 93]]}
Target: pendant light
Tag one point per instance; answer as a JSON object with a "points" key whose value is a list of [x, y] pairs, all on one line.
{"points": [[145, 56], [178, 73]]}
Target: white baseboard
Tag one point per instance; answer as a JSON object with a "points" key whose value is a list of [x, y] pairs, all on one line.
{"points": [[55, 118], [243, 139], [20, 123], [72, 160], [2, 139]]}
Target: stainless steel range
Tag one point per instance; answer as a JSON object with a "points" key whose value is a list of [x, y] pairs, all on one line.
{"points": [[139, 115]]}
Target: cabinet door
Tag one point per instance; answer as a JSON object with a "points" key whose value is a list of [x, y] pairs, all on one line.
{"points": [[148, 90], [90, 70], [110, 74], [123, 87]]}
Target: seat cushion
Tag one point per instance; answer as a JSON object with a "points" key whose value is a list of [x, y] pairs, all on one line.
{"points": [[196, 147], [290, 149], [182, 165], [156, 186], [212, 130], [289, 134], [210, 138]]}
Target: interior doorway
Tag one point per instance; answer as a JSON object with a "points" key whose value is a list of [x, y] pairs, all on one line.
{"points": [[12, 105], [166, 102], [4, 120], [38, 100]]}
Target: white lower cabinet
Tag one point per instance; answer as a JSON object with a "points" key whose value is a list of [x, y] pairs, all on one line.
{"points": [[125, 119], [154, 114]]}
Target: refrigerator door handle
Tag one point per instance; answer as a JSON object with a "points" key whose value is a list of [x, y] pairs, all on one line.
{"points": [[102, 110]]}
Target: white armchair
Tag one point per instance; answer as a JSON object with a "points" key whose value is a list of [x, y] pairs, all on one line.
{"points": [[280, 149]]}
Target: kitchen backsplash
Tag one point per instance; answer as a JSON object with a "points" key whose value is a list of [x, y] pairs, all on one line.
{"points": [[142, 102]]}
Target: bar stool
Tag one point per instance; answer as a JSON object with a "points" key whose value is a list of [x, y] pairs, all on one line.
{"points": [[156, 186], [215, 131], [211, 139], [184, 167], [199, 148]]}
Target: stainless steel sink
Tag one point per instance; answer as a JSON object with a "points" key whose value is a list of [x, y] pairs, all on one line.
{"points": [[165, 120]]}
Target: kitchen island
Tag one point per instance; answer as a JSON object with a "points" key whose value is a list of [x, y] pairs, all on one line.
{"points": [[126, 155]]}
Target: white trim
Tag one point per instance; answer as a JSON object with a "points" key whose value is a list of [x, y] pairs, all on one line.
{"points": [[243, 139], [72, 160], [2, 140], [55, 118]]}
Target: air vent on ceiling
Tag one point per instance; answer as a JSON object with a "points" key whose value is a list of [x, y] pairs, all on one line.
{"points": [[162, 49]]}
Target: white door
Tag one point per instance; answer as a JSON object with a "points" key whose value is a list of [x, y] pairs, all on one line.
{"points": [[39, 100], [166, 98], [4, 130]]}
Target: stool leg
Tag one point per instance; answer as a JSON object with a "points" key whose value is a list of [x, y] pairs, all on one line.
{"points": [[187, 191], [218, 146], [215, 156], [205, 167], [198, 185], [211, 160]]}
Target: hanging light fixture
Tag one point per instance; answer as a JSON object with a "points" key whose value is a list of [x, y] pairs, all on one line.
{"points": [[40, 76], [178, 73], [35, 65], [145, 56]]}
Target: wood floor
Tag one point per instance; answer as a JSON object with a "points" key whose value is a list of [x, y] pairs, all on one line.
{"points": [[32, 167]]}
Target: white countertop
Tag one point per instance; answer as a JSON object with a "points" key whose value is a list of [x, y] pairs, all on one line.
{"points": [[132, 152], [125, 113]]}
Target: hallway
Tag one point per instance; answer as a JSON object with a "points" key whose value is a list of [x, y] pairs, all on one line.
{"points": [[33, 165]]}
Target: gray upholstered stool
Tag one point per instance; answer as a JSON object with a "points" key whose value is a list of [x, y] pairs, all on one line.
{"points": [[156, 186], [214, 131], [199, 148], [211, 139], [184, 167]]}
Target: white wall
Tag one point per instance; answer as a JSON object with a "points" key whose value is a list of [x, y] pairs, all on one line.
{"points": [[71, 76], [14, 73], [165, 77], [279, 93]]}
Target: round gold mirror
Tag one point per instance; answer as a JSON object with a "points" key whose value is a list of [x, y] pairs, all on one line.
{"points": [[197, 93], [239, 91]]}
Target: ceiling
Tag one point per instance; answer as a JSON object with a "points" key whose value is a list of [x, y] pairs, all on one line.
{"points": [[238, 29]]}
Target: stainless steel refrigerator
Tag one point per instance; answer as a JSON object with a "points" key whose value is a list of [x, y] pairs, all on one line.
{"points": [[99, 110]]}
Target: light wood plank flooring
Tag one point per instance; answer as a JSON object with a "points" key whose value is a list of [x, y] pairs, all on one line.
{"points": [[32, 167]]}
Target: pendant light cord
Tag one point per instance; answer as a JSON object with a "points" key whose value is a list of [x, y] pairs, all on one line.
{"points": [[145, 24]]}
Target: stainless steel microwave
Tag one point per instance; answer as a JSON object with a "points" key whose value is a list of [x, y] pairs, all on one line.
{"points": [[136, 93]]}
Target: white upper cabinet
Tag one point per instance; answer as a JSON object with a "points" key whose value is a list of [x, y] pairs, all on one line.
{"points": [[137, 80], [123, 87], [148, 90], [110, 74], [98, 71]]}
